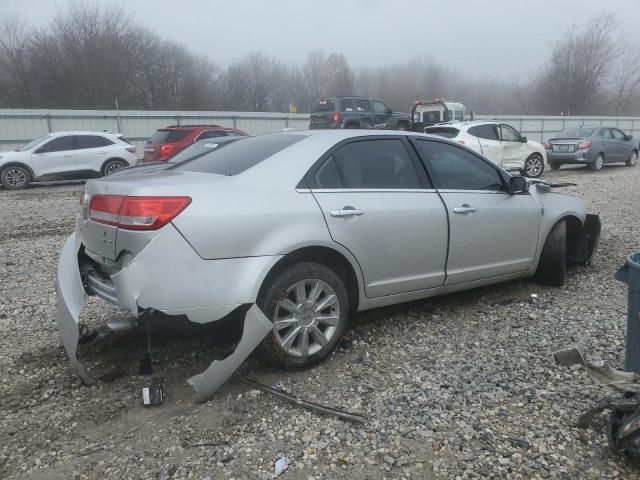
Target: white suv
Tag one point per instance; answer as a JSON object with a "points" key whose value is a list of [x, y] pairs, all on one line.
{"points": [[500, 143], [65, 155]]}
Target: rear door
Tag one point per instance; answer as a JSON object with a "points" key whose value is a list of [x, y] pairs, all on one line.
{"points": [[365, 113], [488, 141], [56, 156], [492, 232], [514, 152], [608, 145], [378, 204], [92, 151]]}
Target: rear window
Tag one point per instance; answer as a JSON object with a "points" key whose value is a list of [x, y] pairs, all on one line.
{"points": [[448, 132], [168, 136], [324, 105], [239, 156], [577, 132]]}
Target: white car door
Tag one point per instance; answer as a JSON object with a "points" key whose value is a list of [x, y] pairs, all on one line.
{"points": [[491, 232], [378, 204], [515, 151], [57, 156], [92, 152], [487, 136]]}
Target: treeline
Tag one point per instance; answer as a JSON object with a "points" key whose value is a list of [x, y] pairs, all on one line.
{"points": [[89, 56]]}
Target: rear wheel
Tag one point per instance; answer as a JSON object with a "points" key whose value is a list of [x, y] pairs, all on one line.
{"points": [[15, 177], [633, 160], [533, 166], [554, 166], [113, 166], [598, 163], [552, 268], [309, 308]]}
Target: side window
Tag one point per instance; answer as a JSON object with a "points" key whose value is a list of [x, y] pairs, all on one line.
{"points": [[60, 144], [211, 134], [509, 134], [488, 132], [346, 105], [92, 141], [379, 107], [459, 114], [605, 133], [363, 105], [618, 135], [369, 164], [457, 169]]}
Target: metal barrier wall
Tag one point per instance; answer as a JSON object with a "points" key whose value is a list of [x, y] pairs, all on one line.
{"points": [[19, 126]]}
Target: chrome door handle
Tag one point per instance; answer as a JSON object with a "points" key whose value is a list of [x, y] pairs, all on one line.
{"points": [[346, 212], [465, 208]]}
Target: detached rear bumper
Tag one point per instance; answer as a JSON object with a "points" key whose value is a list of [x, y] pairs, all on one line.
{"points": [[168, 276]]}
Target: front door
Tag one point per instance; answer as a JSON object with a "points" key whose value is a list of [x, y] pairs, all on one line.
{"points": [[515, 151], [492, 232], [365, 113], [55, 157], [381, 112], [378, 204], [624, 147]]}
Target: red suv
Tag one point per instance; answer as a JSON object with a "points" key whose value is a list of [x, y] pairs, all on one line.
{"points": [[166, 142]]}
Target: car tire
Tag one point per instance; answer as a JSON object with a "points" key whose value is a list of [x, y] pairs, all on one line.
{"points": [[533, 166], [285, 346], [597, 163], [552, 267], [555, 166], [15, 177], [403, 127], [113, 165], [352, 126], [633, 160]]}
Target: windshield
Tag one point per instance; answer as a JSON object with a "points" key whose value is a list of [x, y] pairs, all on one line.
{"points": [[239, 156], [201, 148], [576, 132], [32, 143]]}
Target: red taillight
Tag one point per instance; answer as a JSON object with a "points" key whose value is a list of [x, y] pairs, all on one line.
{"points": [[461, 142], [584, 145], [131, 149], [136, 213], [337, 117], [166, 150]]}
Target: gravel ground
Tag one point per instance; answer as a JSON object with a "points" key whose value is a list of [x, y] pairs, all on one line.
{"points": [[463, 386]]}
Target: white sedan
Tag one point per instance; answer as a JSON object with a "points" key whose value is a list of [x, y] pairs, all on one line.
{"points": [[63, 155], [500, 143]]}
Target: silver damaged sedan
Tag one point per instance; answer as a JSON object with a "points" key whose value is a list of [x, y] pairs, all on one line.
{"points": [[293, 232]]}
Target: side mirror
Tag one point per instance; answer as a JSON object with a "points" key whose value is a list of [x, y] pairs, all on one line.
{"points": [[388, 111], [629, 137], [524, 139], [518, 185]]}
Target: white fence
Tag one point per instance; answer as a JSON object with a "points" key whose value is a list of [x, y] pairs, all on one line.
{"points": [[19, 126]]}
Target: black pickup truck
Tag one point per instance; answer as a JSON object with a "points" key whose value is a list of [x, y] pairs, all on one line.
{"points": [[356, 112]]}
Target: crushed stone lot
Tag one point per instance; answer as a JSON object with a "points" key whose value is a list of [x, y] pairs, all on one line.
{"points": [[461, 386]]}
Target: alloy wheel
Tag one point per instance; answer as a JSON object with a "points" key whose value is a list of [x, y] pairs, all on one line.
{"points": [[306, 317], [633, 160], [15, 177], [113, 167], [533, 166]]}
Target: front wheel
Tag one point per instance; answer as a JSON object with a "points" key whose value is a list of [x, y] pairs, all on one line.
{"points": [[309, 308], [552, 267], [533, 166], [633, 160], [15, 177]]}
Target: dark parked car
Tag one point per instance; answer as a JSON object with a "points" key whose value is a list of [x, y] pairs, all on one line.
{"points": [[356, 112], [593, 146], [167, 142]]}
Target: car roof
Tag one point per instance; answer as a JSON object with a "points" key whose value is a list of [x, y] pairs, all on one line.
{"points": [[84, 132], [466, 123]]}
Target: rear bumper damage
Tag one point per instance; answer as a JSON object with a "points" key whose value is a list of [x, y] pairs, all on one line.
{"points": [[201, 285]]}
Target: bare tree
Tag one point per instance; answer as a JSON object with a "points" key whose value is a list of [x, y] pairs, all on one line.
{"points": [[626, 77], [16, 84]]}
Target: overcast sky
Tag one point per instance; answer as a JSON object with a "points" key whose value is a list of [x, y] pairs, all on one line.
{"points": [[505, 38]]}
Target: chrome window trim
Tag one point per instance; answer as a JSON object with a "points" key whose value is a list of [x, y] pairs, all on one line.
{"points": [[458, 190], [370, 190]]}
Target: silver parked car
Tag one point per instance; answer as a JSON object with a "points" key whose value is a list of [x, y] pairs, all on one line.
{"points": [[593, 146], [298, 230]]}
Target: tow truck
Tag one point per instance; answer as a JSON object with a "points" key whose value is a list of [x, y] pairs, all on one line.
{"points": [[426, 113]]}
